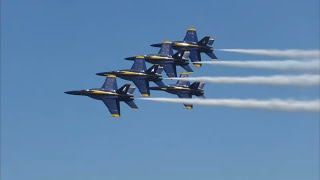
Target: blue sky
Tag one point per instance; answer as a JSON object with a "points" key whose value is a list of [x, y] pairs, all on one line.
{"points": [[48, 47]]}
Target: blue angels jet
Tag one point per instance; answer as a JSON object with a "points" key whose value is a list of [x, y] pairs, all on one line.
{"points": [[110, 95], [168, 60], [183, 89], [190, 43], [139, 75]]}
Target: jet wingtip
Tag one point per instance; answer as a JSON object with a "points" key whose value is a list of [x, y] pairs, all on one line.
{"points": [[145, 95], [197, 65], [191, 29], [115, 115]]}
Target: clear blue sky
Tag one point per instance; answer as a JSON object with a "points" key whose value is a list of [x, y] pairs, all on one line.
{"points": [[48, 47]]}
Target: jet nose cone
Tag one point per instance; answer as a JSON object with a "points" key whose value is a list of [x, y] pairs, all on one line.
{"points": [[156, 45], [130, 58], [101, 74], [108, 74], [73, 92]]}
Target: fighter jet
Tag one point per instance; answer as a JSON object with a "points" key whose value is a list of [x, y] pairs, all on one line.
{"points": [[139, 75], [190, 43], [183, 89], [168, 60], [110, 95]]}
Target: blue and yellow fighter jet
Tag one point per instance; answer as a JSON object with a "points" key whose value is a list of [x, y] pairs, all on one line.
{"points": [[183, 89], [168, 60], [190, 43], [110, 95], [139, 75]]}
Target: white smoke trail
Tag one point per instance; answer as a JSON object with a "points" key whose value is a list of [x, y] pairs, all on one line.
{"points": [[313, 65], [293, 80], [273, 104], [291, 53]]}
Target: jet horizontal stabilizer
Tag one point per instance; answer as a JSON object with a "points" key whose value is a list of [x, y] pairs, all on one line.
{"points": [[132, 104], [211, 55]]}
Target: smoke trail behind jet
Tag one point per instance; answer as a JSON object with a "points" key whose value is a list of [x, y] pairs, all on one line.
{"points": [[272, 104], [291, 53], [290, 80], [293, 65]]}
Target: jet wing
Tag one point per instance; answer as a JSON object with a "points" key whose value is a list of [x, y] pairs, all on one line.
{"points": [[170, 70], [110, 83], [191, 36], [143, 86], [139, 64], [195, 56], [186, 95], [166, 49], [113, 106]]}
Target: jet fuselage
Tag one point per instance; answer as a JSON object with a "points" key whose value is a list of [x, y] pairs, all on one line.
{"points": [[99, 94], [161, 59], [130, 75], [179, 89], [185, 46]]}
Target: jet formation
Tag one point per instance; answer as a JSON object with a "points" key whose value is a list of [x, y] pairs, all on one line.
{"points": [[166, 60]]}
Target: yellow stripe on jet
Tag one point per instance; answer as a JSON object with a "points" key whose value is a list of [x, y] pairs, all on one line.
{"points": [[185, 44], [103, 92], [132, 73], [186, 72], [110, 75], [180, 88], [160, 58]]}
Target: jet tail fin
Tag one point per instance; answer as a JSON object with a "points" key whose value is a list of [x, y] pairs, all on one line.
{"points": [[155, 69], [181, 55], [131, 89], [132, 104], [201, 85], [139, 64], [194, 85], [210, 42], [197, 85], [204, 41], [124, 89]]}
